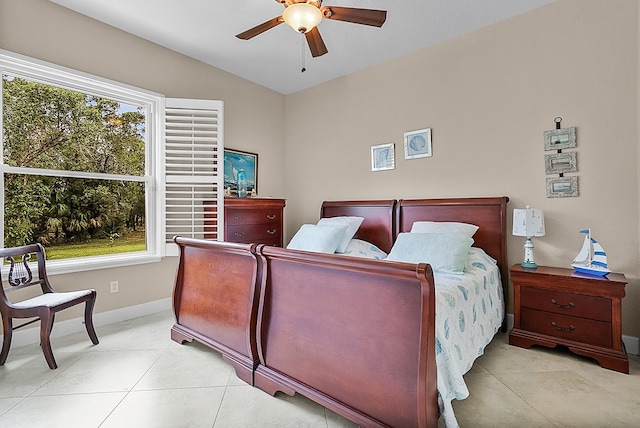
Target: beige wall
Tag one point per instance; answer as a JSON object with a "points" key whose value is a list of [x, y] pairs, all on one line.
{"points": [[488, 97], [254, 115]]}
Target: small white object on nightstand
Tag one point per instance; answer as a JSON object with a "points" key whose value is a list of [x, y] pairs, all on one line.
{"points": [[528, 222]]}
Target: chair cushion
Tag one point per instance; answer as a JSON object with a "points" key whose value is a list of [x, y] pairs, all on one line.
{"points": [[52, 299]]}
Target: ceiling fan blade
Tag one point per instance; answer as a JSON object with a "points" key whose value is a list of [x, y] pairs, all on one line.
{"points": [[259, 29], [372, 17], [315, 42]]}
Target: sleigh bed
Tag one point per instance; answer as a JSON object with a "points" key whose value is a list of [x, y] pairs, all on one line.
{"points": [[357, 335]]}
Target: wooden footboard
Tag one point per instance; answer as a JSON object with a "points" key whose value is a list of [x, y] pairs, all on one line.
{"points": [[215, 300], [354, 335]]}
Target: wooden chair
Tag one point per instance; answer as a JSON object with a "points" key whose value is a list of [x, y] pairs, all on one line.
{"points": [[43, 306]]}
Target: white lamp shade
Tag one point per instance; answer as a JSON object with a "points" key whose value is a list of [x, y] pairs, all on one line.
{"points": [[528, 222], [302, 17]]}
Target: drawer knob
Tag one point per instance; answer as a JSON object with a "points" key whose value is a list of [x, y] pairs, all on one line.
{"points": [[238, 234], [570, 305], [271, 216], [238, 217], [271, 231], [554, 325]]}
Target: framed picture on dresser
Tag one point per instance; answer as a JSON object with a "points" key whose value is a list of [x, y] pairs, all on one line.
{"points": [[236, 160]]}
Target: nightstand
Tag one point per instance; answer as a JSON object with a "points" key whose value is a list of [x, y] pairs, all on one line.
{"points": [[556, 306]]}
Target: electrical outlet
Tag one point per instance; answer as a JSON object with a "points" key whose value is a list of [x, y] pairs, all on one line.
{"points": [[114, 286]]}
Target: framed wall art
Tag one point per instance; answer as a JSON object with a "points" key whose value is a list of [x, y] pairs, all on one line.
{"points": [[234, 161], [562, 187], [382, 157], [561, 138], [559, 163], [417, 144]]}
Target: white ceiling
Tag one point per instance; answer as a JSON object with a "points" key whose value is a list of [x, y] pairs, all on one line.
{"points": [[206, 29]]}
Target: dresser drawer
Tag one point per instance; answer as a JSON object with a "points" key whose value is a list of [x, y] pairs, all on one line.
{"points": [[259, 216], [578, 305], [582, 330], [258, 233], [254, 220]]}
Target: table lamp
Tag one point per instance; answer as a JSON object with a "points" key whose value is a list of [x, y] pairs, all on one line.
{"points": [[528, 222]]}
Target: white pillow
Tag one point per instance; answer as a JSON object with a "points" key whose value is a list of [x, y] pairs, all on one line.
{"points": [[444, 227], [445, 252], [360, 248], [316, 238], [352, 223]]}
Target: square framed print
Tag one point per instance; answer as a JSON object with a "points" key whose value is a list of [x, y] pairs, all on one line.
{"points": [[559, 163], [383, 157], [417, 144], [236, 160], [562, 187], [558, 139]]}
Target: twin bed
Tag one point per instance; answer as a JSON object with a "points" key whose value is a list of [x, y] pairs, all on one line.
{"points": [[359, 336]]}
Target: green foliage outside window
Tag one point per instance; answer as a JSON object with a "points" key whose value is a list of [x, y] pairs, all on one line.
{"points": [[56, 129]]}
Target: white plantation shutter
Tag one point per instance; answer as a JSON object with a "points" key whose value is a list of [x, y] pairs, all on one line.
{"points": [[194, 170]]}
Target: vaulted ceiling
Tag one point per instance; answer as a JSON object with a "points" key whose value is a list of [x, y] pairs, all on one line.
{"points": [[206, 30]]}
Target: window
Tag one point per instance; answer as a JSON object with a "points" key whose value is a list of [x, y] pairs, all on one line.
{"points": [[83, 167]]}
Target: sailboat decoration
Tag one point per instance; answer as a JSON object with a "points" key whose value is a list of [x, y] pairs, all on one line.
{"points": [[591, 259]]}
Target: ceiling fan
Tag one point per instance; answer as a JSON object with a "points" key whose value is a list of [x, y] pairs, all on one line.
{"points": [[304, 16]]}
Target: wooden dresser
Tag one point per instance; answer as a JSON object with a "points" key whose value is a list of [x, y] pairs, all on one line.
{"points": [[254, 220], [556, 306]]}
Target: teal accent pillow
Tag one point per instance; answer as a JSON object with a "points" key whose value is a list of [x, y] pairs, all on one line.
{"points": [[318, 238], [445, 252]]}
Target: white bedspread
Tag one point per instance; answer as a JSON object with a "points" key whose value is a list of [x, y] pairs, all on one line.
{"points": [[469, 312]]}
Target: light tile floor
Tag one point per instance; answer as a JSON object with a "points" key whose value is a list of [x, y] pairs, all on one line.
{"points": [[137, 377]]}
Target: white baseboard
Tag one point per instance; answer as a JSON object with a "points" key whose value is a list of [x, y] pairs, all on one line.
{"points": [[509, 322], [632, 344], [63, 328]]}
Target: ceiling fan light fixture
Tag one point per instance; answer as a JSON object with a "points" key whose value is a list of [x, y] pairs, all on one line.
{"points": [[302, 17]]}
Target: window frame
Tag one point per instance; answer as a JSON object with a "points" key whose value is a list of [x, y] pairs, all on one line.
{"points": [[154, 104]]}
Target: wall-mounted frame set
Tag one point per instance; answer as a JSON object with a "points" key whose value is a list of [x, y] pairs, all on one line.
{"points": [[417, 144], [561, 162]]}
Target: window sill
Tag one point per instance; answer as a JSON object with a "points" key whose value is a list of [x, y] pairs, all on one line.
{"points": [[58, 267]]}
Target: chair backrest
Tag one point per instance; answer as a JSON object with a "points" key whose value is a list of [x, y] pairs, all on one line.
{"points": [[19, 273]]}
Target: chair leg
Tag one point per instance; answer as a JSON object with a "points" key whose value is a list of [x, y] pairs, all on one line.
{"points": [[88, 319], [46, 325], [7, 327]]}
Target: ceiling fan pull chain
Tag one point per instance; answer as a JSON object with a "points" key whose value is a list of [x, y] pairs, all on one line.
{"points": [[302, 39]]}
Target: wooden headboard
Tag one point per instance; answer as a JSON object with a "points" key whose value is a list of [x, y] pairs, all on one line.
{"points": [[378, 225], [384, 219], [489, 214]]}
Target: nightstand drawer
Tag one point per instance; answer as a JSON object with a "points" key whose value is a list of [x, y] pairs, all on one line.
{"points": [[579, 305], [582, 330], [253, 216]]}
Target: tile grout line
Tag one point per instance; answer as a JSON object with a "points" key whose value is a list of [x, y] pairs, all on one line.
{"points": [[134, 385]]}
